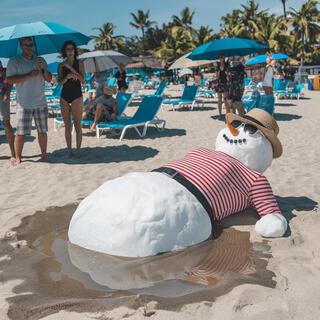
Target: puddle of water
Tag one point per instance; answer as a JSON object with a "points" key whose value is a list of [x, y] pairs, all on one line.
{"points": [[65, 271]]}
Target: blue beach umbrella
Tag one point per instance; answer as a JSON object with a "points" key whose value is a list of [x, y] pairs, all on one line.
{"points": [[48, 37], [228, 46], [263, 58], [53, 67]]}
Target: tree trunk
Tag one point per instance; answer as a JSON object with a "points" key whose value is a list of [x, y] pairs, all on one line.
{"points": [[143, 41], [284, 9], [302, 54]]}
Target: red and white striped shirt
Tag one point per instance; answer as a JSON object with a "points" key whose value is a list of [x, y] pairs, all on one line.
{"points": [[227, 184]]}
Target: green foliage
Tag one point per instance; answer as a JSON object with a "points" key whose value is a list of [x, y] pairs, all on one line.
{"points": [[296, 32]]}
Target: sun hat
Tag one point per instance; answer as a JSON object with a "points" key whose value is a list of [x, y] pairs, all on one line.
{"points": [[108, 90], [265, 123]]}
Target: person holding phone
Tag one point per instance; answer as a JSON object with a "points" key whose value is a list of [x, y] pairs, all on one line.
{"points": [[29, 73]]}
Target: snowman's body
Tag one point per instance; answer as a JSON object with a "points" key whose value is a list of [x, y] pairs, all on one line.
{"points": [[143, 214]]}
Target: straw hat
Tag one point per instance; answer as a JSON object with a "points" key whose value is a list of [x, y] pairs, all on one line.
{"points": [[265, 123], [108, 90]]}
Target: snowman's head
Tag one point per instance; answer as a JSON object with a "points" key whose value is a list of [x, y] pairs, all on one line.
{"points": [[251, 138]]}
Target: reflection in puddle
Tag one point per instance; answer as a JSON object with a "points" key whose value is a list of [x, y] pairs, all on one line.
{"points": [[167, 275], [60, 274]]}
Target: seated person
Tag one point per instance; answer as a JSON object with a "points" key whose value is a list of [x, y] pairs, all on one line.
{"points": [[104, 109], [88, 102]]}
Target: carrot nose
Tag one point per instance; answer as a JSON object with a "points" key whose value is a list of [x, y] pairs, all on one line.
{"points": [[233, 130]]}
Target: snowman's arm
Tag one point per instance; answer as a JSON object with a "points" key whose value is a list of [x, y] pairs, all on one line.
{"points": [[272, 223]]}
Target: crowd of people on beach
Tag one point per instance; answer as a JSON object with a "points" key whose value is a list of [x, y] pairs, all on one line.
{"points": [[29, 74], [229, 82]]}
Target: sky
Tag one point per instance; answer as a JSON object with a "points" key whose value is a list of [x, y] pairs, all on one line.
{"points": [[84, 15]]}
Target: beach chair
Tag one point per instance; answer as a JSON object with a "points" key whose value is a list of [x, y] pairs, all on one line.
{"points": [[112, 82], [188, 98], [159, 91], [207, 93], [2, 131], [123, 101], [294, 93], [145, 116], [266, 103], [251, 101], [56, 93]]}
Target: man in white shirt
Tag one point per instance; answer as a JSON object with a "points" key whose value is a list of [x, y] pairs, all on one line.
{"points": [[29, 73]]}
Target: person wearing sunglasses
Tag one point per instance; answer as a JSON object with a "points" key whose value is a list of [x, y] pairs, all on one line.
{"points": [[71, 77], [202, 188], [29, 73]]}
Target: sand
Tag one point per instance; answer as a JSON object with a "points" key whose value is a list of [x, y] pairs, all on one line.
{"points": [[294, 259]]}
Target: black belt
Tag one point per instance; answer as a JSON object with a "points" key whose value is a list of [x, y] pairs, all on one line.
{"points": [[174, 174]]}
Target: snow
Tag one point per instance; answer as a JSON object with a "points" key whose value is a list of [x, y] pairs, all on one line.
{"points": [[255, 153], [138, 215]]}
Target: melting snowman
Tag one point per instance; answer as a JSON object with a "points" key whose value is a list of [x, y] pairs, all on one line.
{"points": [[177, 205]]}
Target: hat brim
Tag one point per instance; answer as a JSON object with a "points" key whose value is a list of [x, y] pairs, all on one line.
{"points": [[268, 133]]}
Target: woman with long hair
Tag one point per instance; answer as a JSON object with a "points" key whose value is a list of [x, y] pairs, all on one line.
{"points": [[71, 76]]}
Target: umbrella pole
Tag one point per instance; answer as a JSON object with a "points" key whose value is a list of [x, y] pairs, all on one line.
{"points": [[35, 46], [95, 64]]}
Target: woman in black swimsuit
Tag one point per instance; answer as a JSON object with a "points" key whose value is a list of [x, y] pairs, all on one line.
{"points": [[71, 76]]}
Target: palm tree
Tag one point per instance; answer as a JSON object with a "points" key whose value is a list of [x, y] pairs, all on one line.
{"points": [[250, 16], [305, 25], [272, 31], [203, 35], [231, 25], [284, 8], [185, 19], [141, 21], [177, 43], [105, 40]]}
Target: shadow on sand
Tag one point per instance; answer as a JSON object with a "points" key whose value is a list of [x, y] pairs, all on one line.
{"points": [[287, 205], [104, 155], [152, 133], [286, 116], [281, 104], [217, 117]]}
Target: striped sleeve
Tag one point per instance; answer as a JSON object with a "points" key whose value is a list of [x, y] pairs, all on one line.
{"points": [[262, 197]]}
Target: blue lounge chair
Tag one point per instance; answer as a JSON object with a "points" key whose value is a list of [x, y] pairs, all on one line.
{"points": [[123, 101], [145, 115], [112, 82], [294, 93], [259, 101], [188, 98], [55, 94], [266, 103], [1, 129], [159, 91], [252, 101]]}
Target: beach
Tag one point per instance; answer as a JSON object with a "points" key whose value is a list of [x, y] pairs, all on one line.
{"points": [[294, 259]]}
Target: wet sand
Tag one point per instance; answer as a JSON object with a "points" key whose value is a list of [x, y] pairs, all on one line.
{"points": [[58, 273]]}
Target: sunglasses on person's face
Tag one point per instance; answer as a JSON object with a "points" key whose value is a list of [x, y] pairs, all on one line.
{"points": [[28, 45], [70, 49], [248, 128]]}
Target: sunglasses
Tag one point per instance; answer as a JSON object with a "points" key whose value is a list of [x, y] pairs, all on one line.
{"points": [[70, 49], [28, 45], [248, 128]]}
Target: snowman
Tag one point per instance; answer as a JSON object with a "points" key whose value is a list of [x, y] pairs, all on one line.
{"points": [[176, 206]]}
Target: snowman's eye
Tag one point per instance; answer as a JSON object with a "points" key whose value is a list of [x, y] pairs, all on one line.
{"points": [[250, 129], [236, 123]]}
